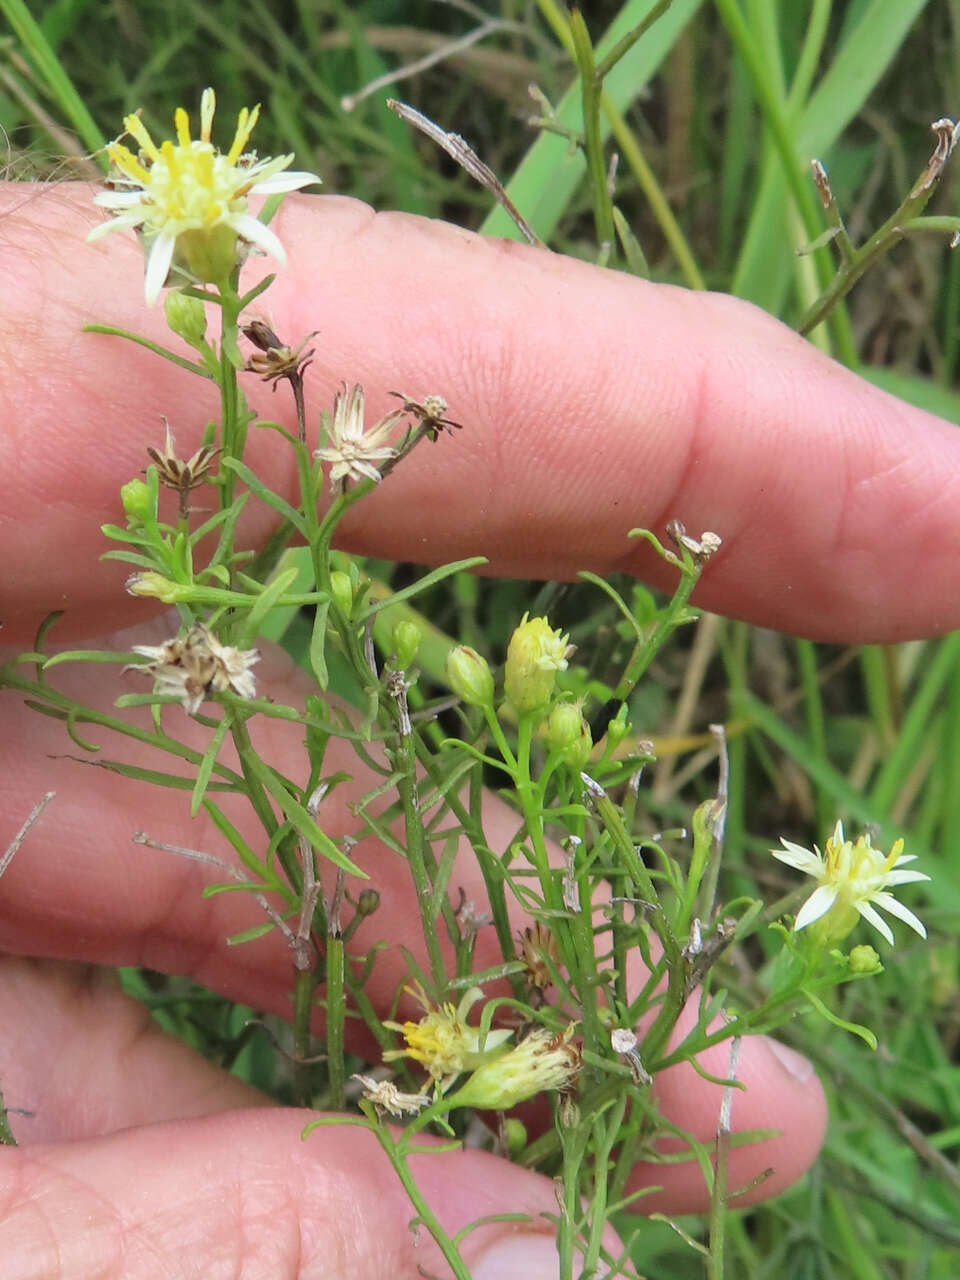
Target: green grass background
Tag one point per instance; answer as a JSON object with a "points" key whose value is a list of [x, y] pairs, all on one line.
{"points": [[715, 113]]}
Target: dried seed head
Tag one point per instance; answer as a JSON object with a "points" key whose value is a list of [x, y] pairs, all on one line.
{"points": [[430, 412], [387, 1099], [197, 666], [176, 473], [354, 451], [537, 947], [275, 359]]}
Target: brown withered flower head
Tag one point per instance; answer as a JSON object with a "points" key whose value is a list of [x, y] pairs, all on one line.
{"points": [[179, 474], [430, 412], [274, 359], [197, 666], [537, 946]]}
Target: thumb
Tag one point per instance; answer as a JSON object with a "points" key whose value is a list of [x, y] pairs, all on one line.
{"points": [[136, 1163]]}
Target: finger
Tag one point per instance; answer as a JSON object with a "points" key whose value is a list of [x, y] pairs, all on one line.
{"points": [[593, 403], [82, 1059], [241, 1193], [79, 889], [779, 1094]]}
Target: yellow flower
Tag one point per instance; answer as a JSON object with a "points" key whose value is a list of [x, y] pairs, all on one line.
{"points": [[540, 1062], [443, 1041], [853, 878], [189, 201], [534, 656]]}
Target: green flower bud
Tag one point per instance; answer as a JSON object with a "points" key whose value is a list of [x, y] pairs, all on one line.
{"points": [[135, 496], [535, 654], [405, 641], [368, 901], [342, 589], [469, 676], [516, 1134], [157, 586], [563, 726], [617, 729], [540, 1062], [568, 733], [864, 959], [187, 317]]}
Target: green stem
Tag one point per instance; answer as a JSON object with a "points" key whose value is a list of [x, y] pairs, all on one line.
{"points": [[406, 764], [854, 265], [591, 87], [672, 617], [675, 995], [304, 986], [232, 429], [336, 1018], [396, 1154]]}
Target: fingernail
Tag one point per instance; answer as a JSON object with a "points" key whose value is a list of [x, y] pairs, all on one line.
{"points": [[795, 1064], [532, 1256]]}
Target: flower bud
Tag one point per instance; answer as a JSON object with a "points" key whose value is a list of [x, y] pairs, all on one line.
{"points": [[342, 589], [368, 901], [405, 641], [563, 726], [469, 676], [618, 728], [187, 317], [515, 1132], [535, 654], [568, 733], [135, 496], [156, 585], [864, 959], [540, 1062]]}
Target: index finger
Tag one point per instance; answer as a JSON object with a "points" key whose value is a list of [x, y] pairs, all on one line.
{"points": [[592, 403]]}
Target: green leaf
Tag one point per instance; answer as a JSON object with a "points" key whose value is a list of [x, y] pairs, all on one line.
{"points": [[256, 486], [549, 174], [207, 763], [298, 817], [318, 644], [422, 584]]}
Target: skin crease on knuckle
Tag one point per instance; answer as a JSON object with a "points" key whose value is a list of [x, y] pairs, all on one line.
{"points": [[589, 447]]}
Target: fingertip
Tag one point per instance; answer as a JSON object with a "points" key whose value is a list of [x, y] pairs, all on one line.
{"points": [[780, 1095]]}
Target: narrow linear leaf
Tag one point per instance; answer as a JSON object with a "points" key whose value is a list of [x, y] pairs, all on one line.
{"points": [[207, 763], [155, 347], [297, 815], [99, 656], [422, 584], [318, 645], [267, 598], [257, 487]]}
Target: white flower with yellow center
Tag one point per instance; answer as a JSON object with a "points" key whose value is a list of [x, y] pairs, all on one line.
{"points": [[189, 201], [353, 450], [853, 878]]}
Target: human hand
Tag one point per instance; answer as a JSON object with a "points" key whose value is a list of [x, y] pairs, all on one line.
{"points": [[593, 403]]}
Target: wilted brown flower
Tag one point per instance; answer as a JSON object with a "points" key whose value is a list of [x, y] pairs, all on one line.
{"points": [[197, 665]]}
